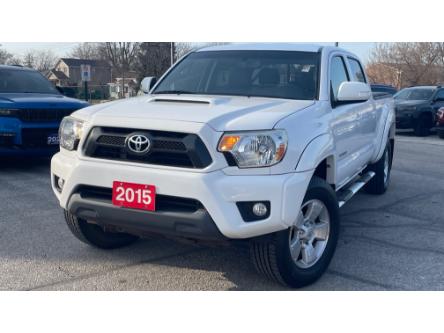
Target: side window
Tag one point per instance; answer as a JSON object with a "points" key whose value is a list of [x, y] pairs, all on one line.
{"points": [[357, 71], [440, 95], [338, 75]]}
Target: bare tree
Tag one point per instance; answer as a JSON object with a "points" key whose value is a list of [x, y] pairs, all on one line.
{"points": [[121, 55], [153, 59], [15, 61], [406, 64], [89, 51], [40, 60], [183, 48], [5, 56], [28, 59]]}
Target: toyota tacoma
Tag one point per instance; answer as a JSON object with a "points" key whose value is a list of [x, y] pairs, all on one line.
{"points": [[259, 144]]}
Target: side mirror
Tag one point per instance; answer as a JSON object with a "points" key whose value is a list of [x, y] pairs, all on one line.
{"points": [[354, 92], [147, 84]]}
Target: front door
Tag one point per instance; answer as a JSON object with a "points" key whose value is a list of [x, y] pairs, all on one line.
{"points": [[346, 125]]}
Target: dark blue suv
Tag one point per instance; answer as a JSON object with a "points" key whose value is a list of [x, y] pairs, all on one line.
{"points": [[31, 110]]}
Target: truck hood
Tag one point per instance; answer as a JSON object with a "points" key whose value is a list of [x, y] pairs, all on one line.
{"points": [[46, 101], [221, 113]]}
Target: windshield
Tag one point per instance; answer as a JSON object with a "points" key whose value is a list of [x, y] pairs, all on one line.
{"points": [[276, 74], [24, 81], [414, 94]]}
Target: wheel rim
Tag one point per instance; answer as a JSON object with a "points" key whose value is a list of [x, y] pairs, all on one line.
{"points": [[309, 236], [386, 167]]}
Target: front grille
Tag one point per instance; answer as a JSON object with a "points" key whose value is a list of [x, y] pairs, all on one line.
{"points": [[164, 203], [167, 148], [40, 115], [37, 137]]}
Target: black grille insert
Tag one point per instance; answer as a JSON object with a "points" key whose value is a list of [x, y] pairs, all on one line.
{"points": [[164, 203], [168, 148], [40, 115]]}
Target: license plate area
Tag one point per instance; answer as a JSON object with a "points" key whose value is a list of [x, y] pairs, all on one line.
{"points": [[52, 140], [136, 196]]}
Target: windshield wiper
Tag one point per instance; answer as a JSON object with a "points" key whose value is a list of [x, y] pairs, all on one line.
{"points": [[173, 92]]}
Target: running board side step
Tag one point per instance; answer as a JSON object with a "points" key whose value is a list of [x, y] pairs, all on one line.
{"points": [[349, 192]]}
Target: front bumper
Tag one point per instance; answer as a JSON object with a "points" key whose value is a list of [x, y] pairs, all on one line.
{"points": [[217, 191], [193, 225], [19, 138]]}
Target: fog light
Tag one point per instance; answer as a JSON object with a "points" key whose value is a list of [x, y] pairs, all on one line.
{"points": [[260, 209], [60, 183]]}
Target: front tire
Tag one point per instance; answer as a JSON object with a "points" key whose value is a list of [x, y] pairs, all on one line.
{"points": [[300, 255], [94, 235]]}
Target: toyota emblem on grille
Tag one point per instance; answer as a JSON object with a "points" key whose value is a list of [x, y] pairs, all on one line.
{"points": [[138, 144]]}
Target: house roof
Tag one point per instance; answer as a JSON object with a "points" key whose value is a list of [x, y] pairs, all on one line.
{"points": [[73, 62], [59, 75]]}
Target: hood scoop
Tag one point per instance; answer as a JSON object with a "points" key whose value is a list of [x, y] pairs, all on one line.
{"points": [[187, 100]]}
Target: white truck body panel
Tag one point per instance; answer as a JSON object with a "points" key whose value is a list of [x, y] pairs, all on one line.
{"points": [[349, 137]]}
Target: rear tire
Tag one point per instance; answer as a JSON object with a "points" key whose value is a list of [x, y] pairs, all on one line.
{"points": [[380, 182], [280, 258], [441, 133], [94, 235]]}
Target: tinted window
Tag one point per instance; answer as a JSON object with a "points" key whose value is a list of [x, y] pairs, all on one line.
{"points": [[440, 95], [386, 90], [357, 71], [413, 94], [338, 75], [24, 81], [276, 74], [403, 94]]}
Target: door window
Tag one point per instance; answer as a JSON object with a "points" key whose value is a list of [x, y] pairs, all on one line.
{"points": [[357, 71], [440, 96], [338, 75]]}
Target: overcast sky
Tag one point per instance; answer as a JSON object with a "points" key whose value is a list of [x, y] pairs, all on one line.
{"points": [[62, 49]]}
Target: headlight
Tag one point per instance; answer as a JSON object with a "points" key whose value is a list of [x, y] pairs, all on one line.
{"points": [[70, 132], [7, 112], [255, 149]]}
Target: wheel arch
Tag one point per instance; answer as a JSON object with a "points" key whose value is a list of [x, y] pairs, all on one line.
{"points": [[319, 157], [388, 135], [326, 170]]}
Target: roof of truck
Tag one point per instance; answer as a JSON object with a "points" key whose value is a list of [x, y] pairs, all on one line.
{"points": [[268, 47], [16, 67]]}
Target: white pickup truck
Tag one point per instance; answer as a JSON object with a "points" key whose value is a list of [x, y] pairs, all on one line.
{"points": [[259, 142]]}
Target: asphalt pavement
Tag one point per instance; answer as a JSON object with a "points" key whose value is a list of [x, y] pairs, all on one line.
{"points": [[389, 242]]}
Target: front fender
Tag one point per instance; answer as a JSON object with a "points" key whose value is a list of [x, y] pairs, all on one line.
{"points": [[317, 150]]}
